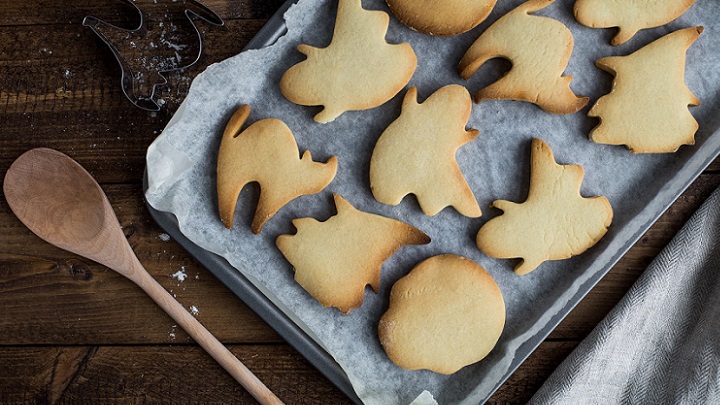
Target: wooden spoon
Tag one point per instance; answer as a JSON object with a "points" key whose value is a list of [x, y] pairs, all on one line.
{"points": [[61, 203]]}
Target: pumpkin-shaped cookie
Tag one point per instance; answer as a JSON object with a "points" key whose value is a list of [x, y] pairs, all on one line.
{"points": [[446, 314]]}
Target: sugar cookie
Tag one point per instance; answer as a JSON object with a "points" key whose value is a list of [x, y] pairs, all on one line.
{"points": [[441, 17], [539, 49], [555, 222], [446, 314], [647, 108], [265, 152], [630, 16], [359, 70], [416, 153], [334, 260]]}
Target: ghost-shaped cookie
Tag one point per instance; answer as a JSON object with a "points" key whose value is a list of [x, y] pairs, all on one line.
{"points": [[555, 222], [630, 16], [265, 152], [359, 70], [334, 260], [539, 49], [416, 153], [647, 108]]}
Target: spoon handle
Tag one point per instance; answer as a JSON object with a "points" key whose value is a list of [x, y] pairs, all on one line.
{"points": [[203, 337]]}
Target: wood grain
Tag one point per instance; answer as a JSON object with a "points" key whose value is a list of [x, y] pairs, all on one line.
{"points": [[46, 12], [87, 303], [60, 88], [73, 331], [122, 374], [147, 374]]}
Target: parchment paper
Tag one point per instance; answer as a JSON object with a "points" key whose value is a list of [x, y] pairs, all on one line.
{"points": [[182, 161]]}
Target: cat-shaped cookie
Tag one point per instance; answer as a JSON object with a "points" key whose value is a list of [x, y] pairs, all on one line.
{"points": [[265, 152]]}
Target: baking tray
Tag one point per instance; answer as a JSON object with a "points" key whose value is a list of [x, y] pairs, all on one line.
{"points": [[313, 352]]}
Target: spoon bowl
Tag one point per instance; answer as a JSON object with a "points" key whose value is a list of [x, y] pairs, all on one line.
{"points": [[61, 203], [57, 200]]}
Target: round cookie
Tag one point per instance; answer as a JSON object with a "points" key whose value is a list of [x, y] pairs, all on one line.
{"points": [[441, 17], [446, 314]]}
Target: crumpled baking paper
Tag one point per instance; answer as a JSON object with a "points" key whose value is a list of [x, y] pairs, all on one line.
{"points": [[182, 170]]}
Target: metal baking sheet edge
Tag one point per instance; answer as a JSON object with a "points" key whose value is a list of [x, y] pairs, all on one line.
{"points": [[288, 330]]}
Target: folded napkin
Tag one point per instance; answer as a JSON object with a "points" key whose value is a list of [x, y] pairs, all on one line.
{"points": [[661, 344]]}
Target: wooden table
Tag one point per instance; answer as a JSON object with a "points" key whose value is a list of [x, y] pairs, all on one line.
{"points": [[73, 331]]}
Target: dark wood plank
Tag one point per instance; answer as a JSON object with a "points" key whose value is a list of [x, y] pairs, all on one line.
{"points": [[71, 100], [54, 49], [65, 299], [45, 12], [714, 166], [84, 303], [59, 87], [122, 374], [147, 374]]}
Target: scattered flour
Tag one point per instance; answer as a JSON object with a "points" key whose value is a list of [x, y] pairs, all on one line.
{"points": [[180, 275], [194, 310], [163, 236]]}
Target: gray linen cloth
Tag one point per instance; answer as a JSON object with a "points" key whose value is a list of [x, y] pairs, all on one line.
{"points": [[661, 343]]}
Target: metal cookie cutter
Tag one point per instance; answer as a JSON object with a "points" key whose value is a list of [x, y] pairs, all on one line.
{"points": [[166, 39]]}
